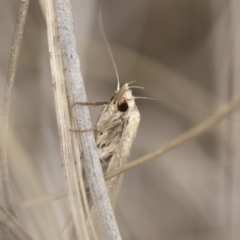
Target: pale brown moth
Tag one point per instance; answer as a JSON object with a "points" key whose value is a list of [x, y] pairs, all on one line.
{"points": [[116, 129]]}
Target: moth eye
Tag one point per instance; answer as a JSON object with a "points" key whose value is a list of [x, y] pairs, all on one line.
{"points": [[123, 107]]}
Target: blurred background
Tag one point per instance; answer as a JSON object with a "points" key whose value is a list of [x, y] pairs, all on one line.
{"points": [[185, 51]]}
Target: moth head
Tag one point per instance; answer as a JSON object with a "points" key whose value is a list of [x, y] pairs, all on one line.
{"points": [[123, 99]]}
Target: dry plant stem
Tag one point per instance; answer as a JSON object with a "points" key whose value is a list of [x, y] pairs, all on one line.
{"points": [[222, 113], [81, 117], [64, 121], [8, 222], [37, 201], [22, 14]]}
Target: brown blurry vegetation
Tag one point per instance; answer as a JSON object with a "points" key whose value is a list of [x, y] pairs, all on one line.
{"points": [[186, 51]]}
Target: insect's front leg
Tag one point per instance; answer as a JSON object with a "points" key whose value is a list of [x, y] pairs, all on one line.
{"points": [[89, 103], [85, 130]]}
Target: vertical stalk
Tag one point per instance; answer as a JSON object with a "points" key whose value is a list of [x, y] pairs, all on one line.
{"points": [[76, 93]]}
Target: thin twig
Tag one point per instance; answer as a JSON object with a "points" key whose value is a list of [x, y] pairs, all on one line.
{"points": [[8, 222], [22, 14], [76, 93], [50, 197], [224, 111]]}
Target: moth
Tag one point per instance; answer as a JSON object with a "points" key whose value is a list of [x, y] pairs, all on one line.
{"points": [[116, 129]]}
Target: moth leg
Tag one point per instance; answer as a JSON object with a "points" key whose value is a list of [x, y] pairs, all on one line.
{"points": [[89, 103], [103, 161], [85, 130]]}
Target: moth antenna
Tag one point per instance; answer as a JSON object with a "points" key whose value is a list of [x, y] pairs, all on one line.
{"points": [[136, 87], [108, 48], [184, 104], [131, 82]]}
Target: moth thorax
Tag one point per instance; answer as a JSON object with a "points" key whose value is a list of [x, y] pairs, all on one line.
{"points": [[128, 97]]}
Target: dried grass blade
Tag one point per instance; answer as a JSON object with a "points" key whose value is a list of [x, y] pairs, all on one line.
{"points": [[45, 199], [64, 122], [22, 14]]}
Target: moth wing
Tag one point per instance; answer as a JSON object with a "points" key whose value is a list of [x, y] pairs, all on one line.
{"points": [[122, 152]]}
